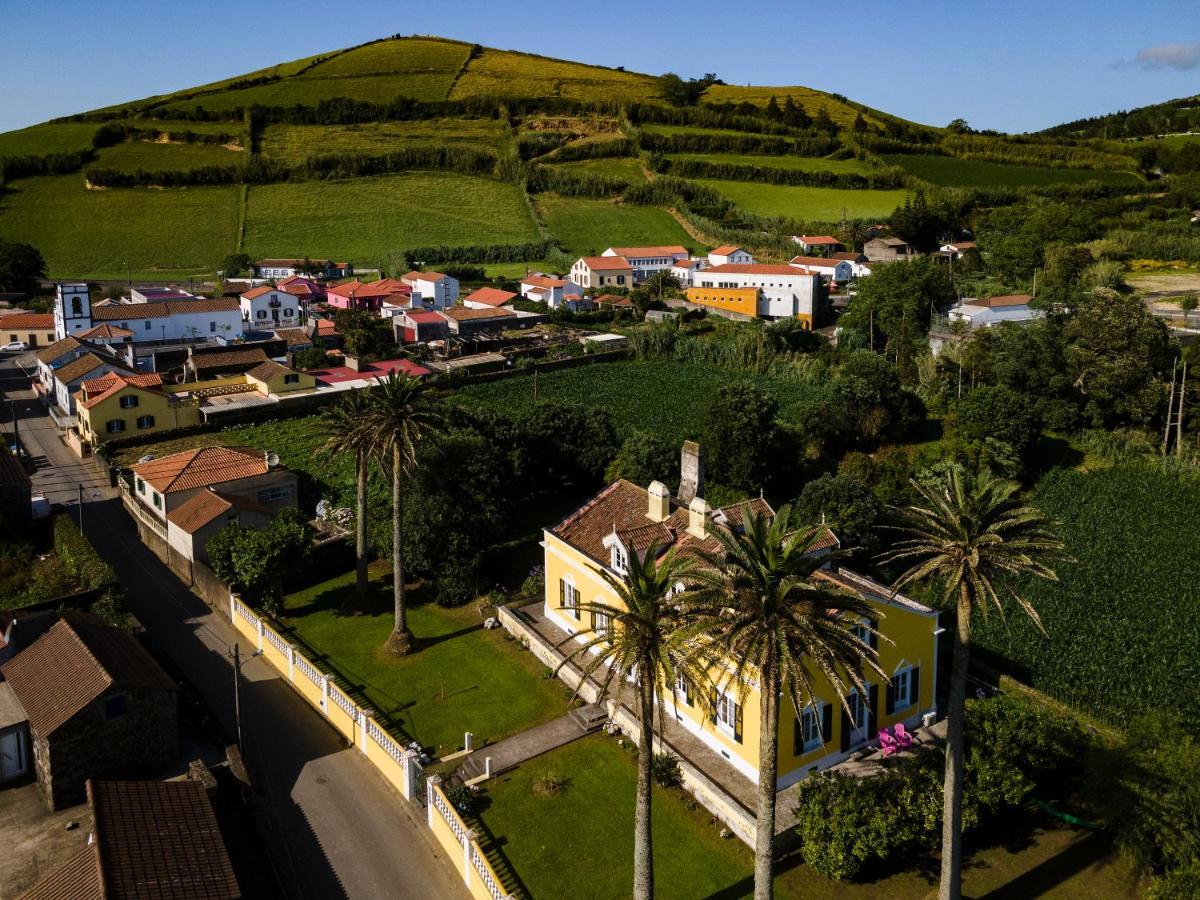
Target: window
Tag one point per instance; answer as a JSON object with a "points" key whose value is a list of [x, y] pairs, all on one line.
{"points": [[116, 706], [729, 716], [114, 426], [683, 689], [141, 486], [291, 379], [145, 422], [261, 314], [288, 312], [212, 326], [904, 689], [146, 327], [129, 401], [862, 631], [620, 279], [601, 623], [808, 730], [620, 561], [568, 597], [76, 306], [157, 501], [274, 493]]}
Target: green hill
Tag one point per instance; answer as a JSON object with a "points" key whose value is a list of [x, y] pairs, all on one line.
{"points": [[433, 149]]}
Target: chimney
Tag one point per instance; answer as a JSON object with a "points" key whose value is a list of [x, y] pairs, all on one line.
{"points": [[698, 517], [691, 472], [351, 363], [660, 502]]}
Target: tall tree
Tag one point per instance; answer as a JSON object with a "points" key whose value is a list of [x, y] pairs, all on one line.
{"points": [[972, 538], [641, 639], [401, 414], [761, 614], [21, 267], [345, 434]]}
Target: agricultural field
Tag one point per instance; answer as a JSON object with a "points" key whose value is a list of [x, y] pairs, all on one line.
{"points": [[791, 163], [514, 270], [402, 55], [813, 101], [154, 157], [591, 226], [311, 91], [1123, 623], [295, 143], [666, 397], [39, 140], [811, 204], [363, 219], [96, 234], [234, 129], [950, 171], [655, 128], [503, 73], [625, 167]]}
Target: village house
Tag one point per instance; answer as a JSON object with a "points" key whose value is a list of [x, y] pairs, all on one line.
{"points": [[987, 311], [286, 268], [756, 291], [197, 519], [97, 706], [626, 518], [31, 329], [303, 289], [420, 327], [887, 249], [685, 270], [859, 264], [66, 364], [193, 318], [149, 839], [645, 261], [543, 288], [358, 296], [265, 307], [432, 290], [823, 244], [956, 249], [488, 298], [727, 254], [836, 270], [595, 272], [121, 404]]}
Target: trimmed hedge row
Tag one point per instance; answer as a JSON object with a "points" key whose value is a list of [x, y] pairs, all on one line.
{"points": [[891, 177]]}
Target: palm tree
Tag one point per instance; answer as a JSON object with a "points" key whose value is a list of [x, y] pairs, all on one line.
{"points": [[761, 611], [972, 537], [640, 639], [343, 427], [400, 414]]}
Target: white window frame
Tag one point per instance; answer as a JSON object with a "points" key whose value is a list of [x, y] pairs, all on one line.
{"points": [[602, 626], [570, 598], [727, 713], [909, 699], [812, 714], [862, 631], [620, 560]]}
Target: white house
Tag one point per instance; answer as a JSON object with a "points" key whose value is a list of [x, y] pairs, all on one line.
{"points": [[838, 270], [859, 265], [437, 291], [488, 298], [956, 249], [784, 292], [822, 243], [727, 254], [266, 307], [602, 272], [65, 365], [167, 320], [983, 313], [645, 261], [543, 288], [684, 271]]}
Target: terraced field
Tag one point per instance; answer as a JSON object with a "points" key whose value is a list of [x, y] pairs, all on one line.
{"points": [[155, 157], [403, 56], [809, 204], [953, 172], [607, 167], [794, 163], [591, 226], [294, 143], [39, 140], [500, 73], [813, 101], [94, 234], [311, 91], [363, 219]]}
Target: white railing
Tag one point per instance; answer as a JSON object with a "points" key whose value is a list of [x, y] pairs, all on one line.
{"points": [[485, 873], [346, 704], [384, 740], [308, 669], [243, 610], [134, 507], [449, 815], [276, 641]]}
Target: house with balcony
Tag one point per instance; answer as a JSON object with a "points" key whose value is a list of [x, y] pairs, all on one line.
{"points": [[822, 244], [265, 308], [598, 272], [646, 261]]}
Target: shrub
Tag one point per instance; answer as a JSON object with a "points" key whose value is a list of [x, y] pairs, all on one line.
{"points": [[549, 783], [89, 569], [1001, 413], [463, 798], [665, 770], [534, 584]]}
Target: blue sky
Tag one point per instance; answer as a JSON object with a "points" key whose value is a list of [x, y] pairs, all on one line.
{"points": [[1011, 65]]}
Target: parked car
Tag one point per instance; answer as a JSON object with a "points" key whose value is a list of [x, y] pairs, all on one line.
{"points": [[15, 347]]}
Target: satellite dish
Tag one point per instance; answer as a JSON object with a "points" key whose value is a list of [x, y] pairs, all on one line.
{"points": [[272, 459]]}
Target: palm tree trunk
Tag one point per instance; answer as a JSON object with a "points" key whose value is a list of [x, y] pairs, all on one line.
{"points": [[951, 885], [768, 766], [360, 528], [399, 642], [643, 845]]}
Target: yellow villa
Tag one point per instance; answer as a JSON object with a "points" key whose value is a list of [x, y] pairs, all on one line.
{"points": [[626, 518]]}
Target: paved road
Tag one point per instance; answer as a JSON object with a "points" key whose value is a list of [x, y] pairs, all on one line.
{"points": [[337, 828]]}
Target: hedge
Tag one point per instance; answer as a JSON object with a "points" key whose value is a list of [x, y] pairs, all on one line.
{"points": [[76, 552]]}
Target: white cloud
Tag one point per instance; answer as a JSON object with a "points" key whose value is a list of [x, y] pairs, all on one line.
{"points": [[1183, 57]]}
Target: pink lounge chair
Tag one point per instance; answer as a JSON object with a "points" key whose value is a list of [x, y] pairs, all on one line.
{"points": [[887, 742], [902, 736]]}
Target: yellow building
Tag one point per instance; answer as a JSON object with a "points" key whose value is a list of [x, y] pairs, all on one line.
{"points": [[34, 330], [119, 405], [626, 518], [272, 378], [740, 300]]}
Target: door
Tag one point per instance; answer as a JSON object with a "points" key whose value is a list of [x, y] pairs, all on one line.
{"points": [[860, 719], [13, 760]]}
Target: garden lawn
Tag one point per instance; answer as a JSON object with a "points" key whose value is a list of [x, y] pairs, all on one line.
{"points": [[363, 219], [503, 73], [154, 157], [94, 234], [950, 171], [625, 167], [1123, 622], [295, 143], [812, 204], [793, 163], [579, 843], [458, 678], [592, 226], [39, 140]]}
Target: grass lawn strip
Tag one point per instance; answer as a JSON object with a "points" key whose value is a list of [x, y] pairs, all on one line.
{"points": [[592, 226], [811, 204]]}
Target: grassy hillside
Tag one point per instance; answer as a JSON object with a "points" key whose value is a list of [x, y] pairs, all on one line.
{"points": [[813, 204], [952, 172], [591, 226]]}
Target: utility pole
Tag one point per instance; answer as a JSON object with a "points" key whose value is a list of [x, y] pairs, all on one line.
{"points": [[237, 693], [1179, 419], [80, 487], [1170, 407]]}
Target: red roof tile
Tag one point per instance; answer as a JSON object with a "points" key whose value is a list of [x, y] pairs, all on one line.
{"points": [[201, 467], [640, 252], [200, 509], [606, 263], [35, 321], [490, 296]]}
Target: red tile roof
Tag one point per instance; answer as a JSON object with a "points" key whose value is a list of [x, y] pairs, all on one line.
{"points": [[326, 328], [424, 276], [490, 296], [257, 292], [100, 389], [753, 269], [72, 664], [123, 312], [818, 240], [641, 252], [101, 332], [201, 467], [814, 261], [724, 250], [462, 314], [200, 509], [76, 879], [606, 263], [338, 374], [35, 321], [159, 840], [425, 316], [613, 300], [543, 281]]}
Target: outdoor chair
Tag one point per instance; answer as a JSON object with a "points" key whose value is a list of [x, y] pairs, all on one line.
{"points": [[887, 743], [903, 737]]}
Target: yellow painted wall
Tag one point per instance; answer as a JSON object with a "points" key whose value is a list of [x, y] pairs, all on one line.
{"points": [[738, 300], [35, 338], [911, 632], [93, 422], [276, 384], [188, 386]]}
